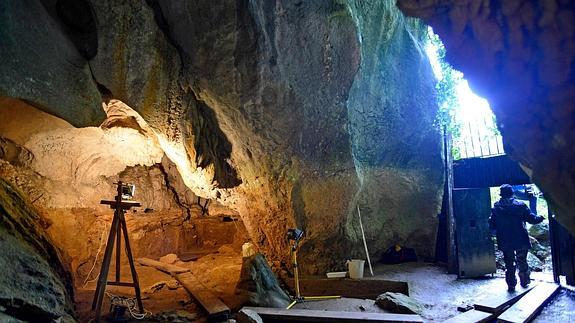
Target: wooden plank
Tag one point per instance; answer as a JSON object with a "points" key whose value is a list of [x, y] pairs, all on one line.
{"points": [[529, 305], [499, 298], [167, 268], [346, 287], [471, 316], [216, 309], [297, 315]]}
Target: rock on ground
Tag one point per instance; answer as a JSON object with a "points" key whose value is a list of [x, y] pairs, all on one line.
{"points": [[169, 258], [398, 303], [540, 231], [260, 283], [534, 263], [248, 316]]}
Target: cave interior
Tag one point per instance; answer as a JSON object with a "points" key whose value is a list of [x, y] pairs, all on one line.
{"points": [[238, 120]]}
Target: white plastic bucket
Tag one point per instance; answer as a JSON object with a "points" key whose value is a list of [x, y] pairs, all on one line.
{"points": [[355, 268]]}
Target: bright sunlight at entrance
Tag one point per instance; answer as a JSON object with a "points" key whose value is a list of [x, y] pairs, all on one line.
{"points": [[467, 116]]}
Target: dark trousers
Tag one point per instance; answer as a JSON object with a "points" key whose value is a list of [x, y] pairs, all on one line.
{"points": [[516, 259]]}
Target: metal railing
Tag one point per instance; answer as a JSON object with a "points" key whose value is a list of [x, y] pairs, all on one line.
{"points": [[479, 138]]}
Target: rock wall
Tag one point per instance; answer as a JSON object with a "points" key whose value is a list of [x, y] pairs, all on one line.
{"points": [[66, 171], [290, 112], [397, 152], [29, 262], [39, 63], [520, 55]]}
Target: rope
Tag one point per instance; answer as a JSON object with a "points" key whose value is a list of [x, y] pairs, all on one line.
{"points": [[130, 304]]}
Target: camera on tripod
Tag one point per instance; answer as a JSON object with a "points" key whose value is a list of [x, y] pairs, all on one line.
{"points": [[128, 191]]}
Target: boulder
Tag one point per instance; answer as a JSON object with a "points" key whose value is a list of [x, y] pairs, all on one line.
{"points": [[398, 303], [169, 259], [248, 316], [258, 281], [541, 251], [534, 263], [540, 231]]}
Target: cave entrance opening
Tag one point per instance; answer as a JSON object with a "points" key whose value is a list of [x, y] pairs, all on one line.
{"points": [[476, 162], [466, 116], [475, 189]]}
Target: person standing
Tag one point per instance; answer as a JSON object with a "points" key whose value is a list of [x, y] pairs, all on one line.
{"points": [[508, 218]]}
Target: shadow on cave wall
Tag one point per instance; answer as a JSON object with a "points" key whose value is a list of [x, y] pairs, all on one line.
{"points": [[210, 144]]}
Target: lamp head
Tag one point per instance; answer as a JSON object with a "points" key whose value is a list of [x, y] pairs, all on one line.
{"points": [[295, 234]]}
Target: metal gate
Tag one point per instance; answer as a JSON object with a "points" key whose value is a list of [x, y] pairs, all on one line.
{"points": [[475, 249]]}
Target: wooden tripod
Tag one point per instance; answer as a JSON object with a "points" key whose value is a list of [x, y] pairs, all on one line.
{"points": [[118, 227]]}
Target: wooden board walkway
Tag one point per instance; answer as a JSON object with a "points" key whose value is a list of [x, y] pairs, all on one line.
{"points": [[498, 299], [346, 287], [471, 316], [529, 305], [167, 268], [217, 310], [296, 315]]}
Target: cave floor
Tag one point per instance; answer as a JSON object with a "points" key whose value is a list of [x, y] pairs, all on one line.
{"points": [[218, 271], [441, 293], [438, 292]]}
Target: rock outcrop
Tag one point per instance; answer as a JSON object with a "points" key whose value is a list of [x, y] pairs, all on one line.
{"points": [[66, 171], [39, 63], [520, 56], [290, 112], [29, 263]]}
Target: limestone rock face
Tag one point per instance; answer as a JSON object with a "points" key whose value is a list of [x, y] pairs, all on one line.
{"points": [[519, 55], [291, 113], [40, 64], [311, 111], [397, 152], [66, 171], [29, 262]]}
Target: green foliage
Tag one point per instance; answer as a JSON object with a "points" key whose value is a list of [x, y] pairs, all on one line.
{"points": [[446, 93]]}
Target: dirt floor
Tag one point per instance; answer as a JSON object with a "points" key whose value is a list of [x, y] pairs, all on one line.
{"points": [[439, 293], [219, 271]]}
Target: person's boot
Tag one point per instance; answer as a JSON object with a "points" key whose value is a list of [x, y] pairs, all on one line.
{"points": [[524, 279], [510, 280]]}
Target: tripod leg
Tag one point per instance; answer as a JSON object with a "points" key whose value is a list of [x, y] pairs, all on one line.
{"points": [[118, 254], [103, 278], [132, 266]]}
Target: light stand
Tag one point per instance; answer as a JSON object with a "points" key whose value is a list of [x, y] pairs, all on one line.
{"points": [[125, 191], [296, 235]]}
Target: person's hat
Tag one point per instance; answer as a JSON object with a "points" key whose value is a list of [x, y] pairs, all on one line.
{"points": [[506, 190]]}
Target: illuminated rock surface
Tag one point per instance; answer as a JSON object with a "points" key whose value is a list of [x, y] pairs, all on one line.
{"points": [[289, 113]]}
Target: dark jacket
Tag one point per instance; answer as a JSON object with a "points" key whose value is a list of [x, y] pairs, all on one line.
{"points": [[508, 217]]}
